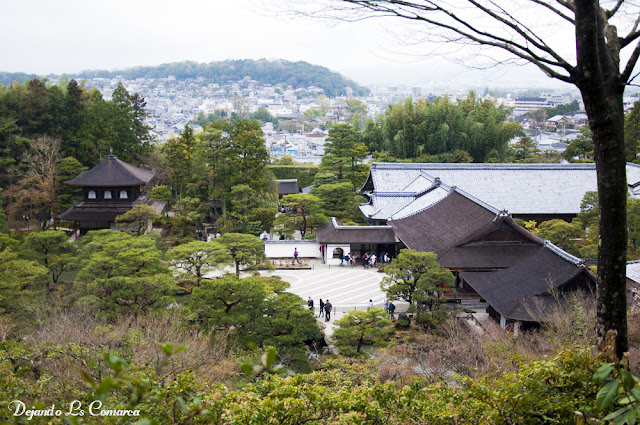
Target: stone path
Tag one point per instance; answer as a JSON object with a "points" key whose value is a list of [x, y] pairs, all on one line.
{"points": [[346, 288]]}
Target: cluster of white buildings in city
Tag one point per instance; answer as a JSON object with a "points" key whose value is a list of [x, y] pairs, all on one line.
{"points": [[172, 103]]}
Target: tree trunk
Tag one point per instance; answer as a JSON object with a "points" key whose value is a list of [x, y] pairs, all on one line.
{"points": [[598, 78], [608, 138]]}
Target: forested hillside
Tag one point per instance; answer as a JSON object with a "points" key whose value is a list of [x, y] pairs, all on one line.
{"points": [[297, 74]]}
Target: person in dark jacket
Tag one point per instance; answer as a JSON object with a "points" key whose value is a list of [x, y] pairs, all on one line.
{"points": [[321, 314], [391, 308], [327, 311]]}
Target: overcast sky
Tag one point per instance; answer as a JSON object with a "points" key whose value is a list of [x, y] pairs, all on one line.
{"points": [[50, 36]]}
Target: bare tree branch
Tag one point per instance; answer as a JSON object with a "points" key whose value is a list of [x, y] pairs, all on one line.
{"points": [[631, 63], [568, 4], [556, 11], [463, 28], [613, 11]]}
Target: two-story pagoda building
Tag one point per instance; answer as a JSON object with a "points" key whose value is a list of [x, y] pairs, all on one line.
{"points": [[109, 189]]}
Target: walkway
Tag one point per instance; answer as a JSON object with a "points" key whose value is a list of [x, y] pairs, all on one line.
{"points": [[346, 288]]}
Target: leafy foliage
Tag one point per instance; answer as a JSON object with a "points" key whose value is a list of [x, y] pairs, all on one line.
{"points": [[52, 248], [138, 217], [130, 295], [196, 258], [106, 253], [305, 212], [415, 129], [416, 277], [361, 327], [580, 149], [244, 249], [344, 155], [305, 174]]}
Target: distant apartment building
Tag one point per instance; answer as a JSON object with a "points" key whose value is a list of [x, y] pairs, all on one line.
{"points": [[522, 105]]}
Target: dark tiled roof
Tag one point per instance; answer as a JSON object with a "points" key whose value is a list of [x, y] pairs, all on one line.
{"points": [[486, 257], [530, 282], [287, 186], [443, 225], [502, 229], [334, 232], [93, 211], [112, 172]]}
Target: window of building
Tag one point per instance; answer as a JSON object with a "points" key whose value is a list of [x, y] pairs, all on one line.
{"points": [[107, 194], [123, 194], [91, 194], [338, 253]]}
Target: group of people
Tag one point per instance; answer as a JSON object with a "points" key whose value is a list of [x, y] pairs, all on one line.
{"points": [[370, 260], [325, 308], [348, 259]]}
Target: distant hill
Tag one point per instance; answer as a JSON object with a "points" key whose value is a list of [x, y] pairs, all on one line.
{"points": [[296, 74], [7, 78]]}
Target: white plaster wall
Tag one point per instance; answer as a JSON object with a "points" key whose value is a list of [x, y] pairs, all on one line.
{"points": [[336, 261], [284, 249]]}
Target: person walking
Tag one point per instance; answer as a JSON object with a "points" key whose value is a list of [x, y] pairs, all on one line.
{"points": [[370, 305], [321, 314], [327, 311], [295, 256], [391, 308], [365, 258], [310, 304]]}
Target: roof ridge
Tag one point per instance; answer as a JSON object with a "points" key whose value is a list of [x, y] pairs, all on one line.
{"points": [[420, 176], [476, 200], [485, 165], [125, 167], [442, 186], [563, 254], [357, 226]]}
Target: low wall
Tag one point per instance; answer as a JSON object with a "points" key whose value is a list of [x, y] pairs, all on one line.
{"points": [[284, 249]]}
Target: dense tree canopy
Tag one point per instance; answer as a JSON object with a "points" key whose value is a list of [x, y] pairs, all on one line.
{"points": [[414, 129], [88, 126]]}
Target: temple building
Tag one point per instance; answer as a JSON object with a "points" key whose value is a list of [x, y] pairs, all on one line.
{"points": [[109, 189], [464, 213], [527, 191], [518, 274]]}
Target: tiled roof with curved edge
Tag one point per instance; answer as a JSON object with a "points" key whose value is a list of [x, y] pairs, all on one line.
{"points": [[500, 221], [422, 202], [381, 206], [112, 172], [443, 224], [517, 188], [542, 272], [420, 184]]}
